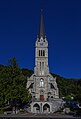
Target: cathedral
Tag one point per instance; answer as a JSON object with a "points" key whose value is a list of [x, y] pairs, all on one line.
{"points": [[42, 85]]}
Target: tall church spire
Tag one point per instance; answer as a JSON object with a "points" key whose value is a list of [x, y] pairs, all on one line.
{"points": [[41, 27]]}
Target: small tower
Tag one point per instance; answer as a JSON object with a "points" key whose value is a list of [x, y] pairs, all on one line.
{"points": [[42, 85]]}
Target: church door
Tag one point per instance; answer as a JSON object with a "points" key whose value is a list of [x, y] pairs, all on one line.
{"points": [[41, 97]]}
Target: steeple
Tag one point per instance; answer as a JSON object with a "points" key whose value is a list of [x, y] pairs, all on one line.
{"points": [[41, 27]]}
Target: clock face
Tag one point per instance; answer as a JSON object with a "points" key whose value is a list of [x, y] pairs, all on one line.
{"points": [[41, 43]]}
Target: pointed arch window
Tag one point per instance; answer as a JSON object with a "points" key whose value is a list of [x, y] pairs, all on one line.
{"points": [[43, 52], [41, 82], [39, 52], [42, 68]]}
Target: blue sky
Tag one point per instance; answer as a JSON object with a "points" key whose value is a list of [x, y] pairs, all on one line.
{"points": [[19, 24]]}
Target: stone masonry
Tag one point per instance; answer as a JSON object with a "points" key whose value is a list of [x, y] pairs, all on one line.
{"points": [[42, 85]]}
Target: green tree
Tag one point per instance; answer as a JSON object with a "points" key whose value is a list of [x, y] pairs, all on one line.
{"points": [[13, 85]]}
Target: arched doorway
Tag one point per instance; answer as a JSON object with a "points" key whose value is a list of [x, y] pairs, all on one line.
{"points": [[36, 108], [46, 108]]}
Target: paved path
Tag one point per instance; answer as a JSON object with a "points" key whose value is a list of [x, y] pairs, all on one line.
{"points": [[38, 116]]}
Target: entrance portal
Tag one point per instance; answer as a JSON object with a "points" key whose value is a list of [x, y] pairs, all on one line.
{"points": [[36, 108], [46, 108], [41, 97]]}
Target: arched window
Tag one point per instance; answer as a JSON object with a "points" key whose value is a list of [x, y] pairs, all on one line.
{"points": [[39, 52], [41, 92], [41, 82], [42, 68], [43, 52]]}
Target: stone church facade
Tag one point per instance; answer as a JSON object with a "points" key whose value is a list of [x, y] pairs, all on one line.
{"points": [[42, 85]]}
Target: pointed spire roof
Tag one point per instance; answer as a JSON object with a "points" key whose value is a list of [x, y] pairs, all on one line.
{"points": [[41, 27]]}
